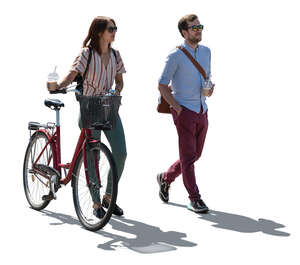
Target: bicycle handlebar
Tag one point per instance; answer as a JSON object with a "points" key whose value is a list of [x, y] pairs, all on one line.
{"points": [[61, 91], [65, 90]]}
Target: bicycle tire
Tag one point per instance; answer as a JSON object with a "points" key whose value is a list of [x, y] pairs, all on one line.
{"points": [[29, 178], [86, 216]]}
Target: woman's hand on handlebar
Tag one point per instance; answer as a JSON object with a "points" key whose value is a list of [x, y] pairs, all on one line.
{"points": [[54, 87]]}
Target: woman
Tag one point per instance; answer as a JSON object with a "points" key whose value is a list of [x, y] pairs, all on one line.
{"points": [[106, 66]]}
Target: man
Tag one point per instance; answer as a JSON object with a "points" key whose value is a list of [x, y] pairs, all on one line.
{"points": [[188, 108]]}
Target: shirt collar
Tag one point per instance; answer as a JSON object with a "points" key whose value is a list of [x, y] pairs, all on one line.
{"points": [[188, 47]]}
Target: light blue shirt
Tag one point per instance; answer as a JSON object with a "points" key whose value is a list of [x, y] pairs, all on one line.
{"points": [[187, 82]]}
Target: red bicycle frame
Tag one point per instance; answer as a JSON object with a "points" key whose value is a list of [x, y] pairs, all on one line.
{"points": [[54, 141]]}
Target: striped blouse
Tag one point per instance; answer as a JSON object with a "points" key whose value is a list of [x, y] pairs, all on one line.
{"points": [[99, 79]]}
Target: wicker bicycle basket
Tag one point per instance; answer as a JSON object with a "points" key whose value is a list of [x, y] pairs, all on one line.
{"points": [[99, 110]]}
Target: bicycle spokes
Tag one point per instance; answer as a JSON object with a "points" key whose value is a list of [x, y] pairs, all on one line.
{"points": [[37, 185]]}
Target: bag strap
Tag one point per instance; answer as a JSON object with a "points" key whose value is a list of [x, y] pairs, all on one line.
{"points": [[81, 80], [197, 65], [115, 54]]}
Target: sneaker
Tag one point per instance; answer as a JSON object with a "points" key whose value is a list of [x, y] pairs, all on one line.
{"points": [[99, 212], [117, 211], [163, 188], [198, 206]]}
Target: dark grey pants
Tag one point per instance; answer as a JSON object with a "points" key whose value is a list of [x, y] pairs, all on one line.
{"points": [[116, 139]]}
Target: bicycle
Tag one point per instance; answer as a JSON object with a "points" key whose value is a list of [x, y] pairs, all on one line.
{"points": [[42, 169]]}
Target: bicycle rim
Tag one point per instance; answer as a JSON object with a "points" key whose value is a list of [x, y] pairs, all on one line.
{"points": [[83, 201], [35, 185]]}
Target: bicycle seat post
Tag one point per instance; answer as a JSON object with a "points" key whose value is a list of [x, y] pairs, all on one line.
{"points": [[58, 138], [57, 118]]}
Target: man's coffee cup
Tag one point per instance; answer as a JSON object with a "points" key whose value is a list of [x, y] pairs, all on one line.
{"points": [[205, 91]]}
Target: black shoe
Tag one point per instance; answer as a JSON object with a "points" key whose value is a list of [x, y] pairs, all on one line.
{"points": [[117, 211], [99, 212], [163, 188], [198, 206]]}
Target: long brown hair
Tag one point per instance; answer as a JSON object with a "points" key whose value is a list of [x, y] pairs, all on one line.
{"points": [[98, 25]]}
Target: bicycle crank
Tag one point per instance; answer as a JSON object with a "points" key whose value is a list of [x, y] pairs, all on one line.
{"points": [[53, 182]]}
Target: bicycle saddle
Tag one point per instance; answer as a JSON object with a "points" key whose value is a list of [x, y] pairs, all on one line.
{"points": [[55, 104]]}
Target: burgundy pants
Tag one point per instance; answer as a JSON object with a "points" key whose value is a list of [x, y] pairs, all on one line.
{"points": [[191, 128]]}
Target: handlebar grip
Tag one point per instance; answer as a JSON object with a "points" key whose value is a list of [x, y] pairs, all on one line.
{"points": [[60, 91]]}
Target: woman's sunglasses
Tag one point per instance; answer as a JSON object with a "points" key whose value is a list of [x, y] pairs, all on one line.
{"points": [[196, 27], [112, 29]]}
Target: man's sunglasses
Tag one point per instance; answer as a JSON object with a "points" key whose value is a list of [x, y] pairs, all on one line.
{"points": [[196, 27], [112, 29]]}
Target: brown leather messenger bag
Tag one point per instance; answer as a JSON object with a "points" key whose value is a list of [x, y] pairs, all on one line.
{"points": [[163, 106]]}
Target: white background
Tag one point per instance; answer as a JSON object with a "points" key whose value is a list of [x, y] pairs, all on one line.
{"points": [[248, 173]]}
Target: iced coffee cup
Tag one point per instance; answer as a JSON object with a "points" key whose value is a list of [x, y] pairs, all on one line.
{"points": [[205, 91], [52, 85], [52, 80], [206, 87]]}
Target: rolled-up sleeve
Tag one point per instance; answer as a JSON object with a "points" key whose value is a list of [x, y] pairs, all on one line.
{"points": [[80, 62], [209, 63], [120, 65], [169, 70]]}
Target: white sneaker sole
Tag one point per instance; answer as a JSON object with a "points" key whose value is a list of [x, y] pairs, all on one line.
{"points": [[204, 210]]}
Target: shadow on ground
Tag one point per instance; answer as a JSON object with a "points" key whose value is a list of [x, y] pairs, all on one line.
{"points": [[240, 223], [143, 238]]}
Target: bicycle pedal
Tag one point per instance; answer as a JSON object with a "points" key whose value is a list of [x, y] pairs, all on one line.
{"points": [[48, 197], [57, 187]]}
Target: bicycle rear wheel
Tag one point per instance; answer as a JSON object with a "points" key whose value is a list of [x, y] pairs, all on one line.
{"points": [[81, 193], [35, 185]]}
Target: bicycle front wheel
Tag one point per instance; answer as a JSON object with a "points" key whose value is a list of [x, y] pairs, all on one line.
{"points": [[35, 185], [82, 198]]}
